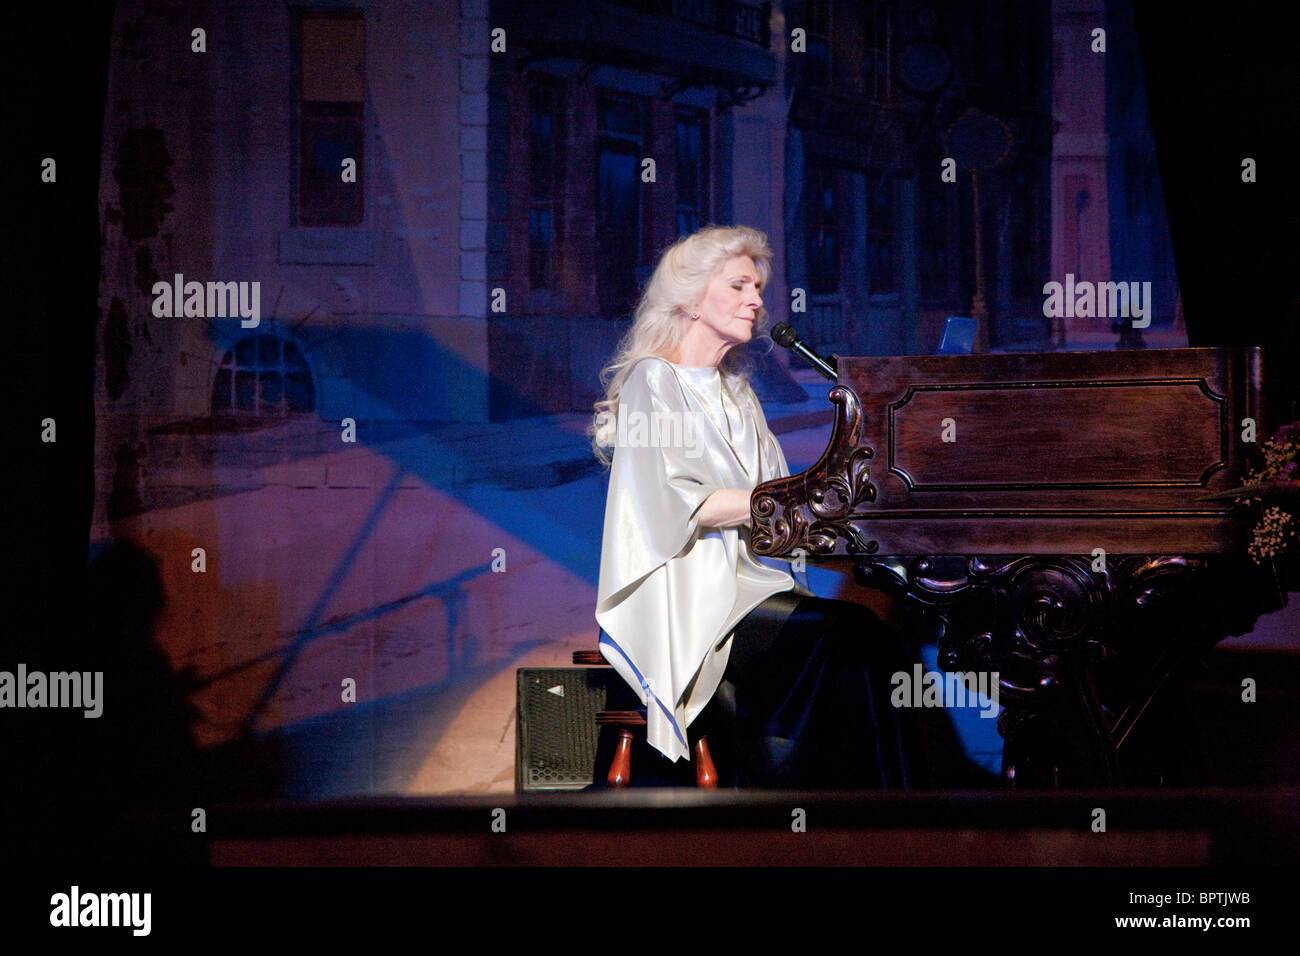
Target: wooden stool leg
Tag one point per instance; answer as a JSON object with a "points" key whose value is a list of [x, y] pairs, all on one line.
{"points": [[620, 771], [706, 775]]}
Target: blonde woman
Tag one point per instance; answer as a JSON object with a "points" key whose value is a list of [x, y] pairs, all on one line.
{"points": [[788, 686]]}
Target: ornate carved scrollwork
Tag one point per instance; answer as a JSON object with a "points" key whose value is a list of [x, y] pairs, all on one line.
{"points": [[1081, 649], [814, 510]]}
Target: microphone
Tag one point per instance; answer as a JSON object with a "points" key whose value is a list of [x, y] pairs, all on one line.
{"points": [[783, 334]]}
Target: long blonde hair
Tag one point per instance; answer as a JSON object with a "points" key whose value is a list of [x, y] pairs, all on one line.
{"points": [[680, 278]]}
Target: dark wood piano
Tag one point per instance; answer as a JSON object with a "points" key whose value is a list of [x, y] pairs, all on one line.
{"points": [[1038, 514]]}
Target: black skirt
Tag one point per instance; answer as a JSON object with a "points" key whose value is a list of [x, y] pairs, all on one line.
{"points": [[804, 701]]}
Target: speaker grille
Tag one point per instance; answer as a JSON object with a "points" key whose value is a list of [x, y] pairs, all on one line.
{"points": [[556, 730]]}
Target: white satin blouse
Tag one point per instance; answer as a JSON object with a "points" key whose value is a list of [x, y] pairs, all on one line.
{"points": [[671, 592]]}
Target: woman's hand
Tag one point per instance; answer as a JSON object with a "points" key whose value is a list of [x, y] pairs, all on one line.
{"points": [[725, 508]]}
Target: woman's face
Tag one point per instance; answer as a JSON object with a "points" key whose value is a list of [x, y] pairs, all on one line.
{"points": [[731, 302]]}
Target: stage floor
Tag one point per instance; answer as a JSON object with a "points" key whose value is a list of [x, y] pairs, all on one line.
{"points": [[682, 827]]}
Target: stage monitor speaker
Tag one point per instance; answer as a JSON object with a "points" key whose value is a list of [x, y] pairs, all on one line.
{"points": [[556, 735]]}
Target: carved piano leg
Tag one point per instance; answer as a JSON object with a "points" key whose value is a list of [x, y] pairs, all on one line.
{"points": [[620, 771], [1082, 653], [1089, 750], [1042, 623], [1053, 732]]}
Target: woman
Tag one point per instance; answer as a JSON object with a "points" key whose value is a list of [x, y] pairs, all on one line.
{"points": [[714, 640]]}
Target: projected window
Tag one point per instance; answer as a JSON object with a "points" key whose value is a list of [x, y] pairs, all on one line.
{"points": [[619, 148], [692, 179], [330, 110], [263, 376], [823, 230], [938, 235], [817, 62], [545, 118], [1030, 241], [878, 27], [882, 235]]}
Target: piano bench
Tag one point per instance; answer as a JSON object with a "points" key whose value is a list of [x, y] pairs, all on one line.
{"points": [[620, 770]]}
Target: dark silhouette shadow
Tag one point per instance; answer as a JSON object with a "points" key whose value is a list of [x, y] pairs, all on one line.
{"points": [[119, 788]]}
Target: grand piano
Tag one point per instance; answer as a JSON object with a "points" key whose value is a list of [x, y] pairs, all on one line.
{"points": [[1038, 516]]}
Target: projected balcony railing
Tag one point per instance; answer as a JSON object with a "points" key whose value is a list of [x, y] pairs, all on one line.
{"points": [[743, 21]]}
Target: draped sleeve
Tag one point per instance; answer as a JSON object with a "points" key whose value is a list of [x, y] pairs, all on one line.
{"points": [[670, 591]]}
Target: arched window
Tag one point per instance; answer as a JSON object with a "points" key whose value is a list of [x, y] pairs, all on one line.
{"points": [[263, 376]]}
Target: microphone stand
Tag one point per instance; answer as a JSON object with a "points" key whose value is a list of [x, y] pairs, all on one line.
{"points": [[784, 335]]}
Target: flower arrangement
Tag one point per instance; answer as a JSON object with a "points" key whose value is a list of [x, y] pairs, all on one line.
{"points": [[1276, 485]]}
